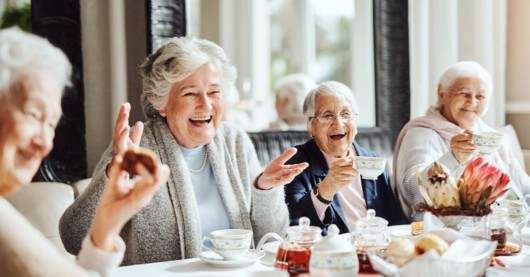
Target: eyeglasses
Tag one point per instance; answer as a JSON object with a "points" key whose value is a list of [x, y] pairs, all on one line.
{"points": [[327, 118]]}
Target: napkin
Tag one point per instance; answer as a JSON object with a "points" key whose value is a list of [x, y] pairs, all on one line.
{"points": [[464, 257]]}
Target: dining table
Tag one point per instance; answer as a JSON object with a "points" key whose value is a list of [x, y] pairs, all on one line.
{"points": [[514, 266]]}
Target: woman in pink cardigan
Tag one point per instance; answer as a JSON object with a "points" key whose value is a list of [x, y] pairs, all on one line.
{"points": [[445, 135]]}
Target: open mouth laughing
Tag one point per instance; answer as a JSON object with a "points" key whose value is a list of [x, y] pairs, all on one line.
{"points": [[338, 136], [201, 120]]}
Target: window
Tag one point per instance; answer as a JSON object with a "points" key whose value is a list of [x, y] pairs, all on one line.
{"points": [[267, 39]]}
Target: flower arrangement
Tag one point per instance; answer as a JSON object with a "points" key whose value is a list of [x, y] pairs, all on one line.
{"points": [[478, 187]]}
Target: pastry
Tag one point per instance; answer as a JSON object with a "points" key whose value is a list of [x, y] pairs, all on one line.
{"points": [[431, 241], [400, 251], [417, 228], [139, 155]]}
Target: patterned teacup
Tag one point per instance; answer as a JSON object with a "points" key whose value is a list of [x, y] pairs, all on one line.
{"points": [[231, 244], [370, 167], [487, 142]]}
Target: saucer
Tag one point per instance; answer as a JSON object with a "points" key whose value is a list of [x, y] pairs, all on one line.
{"points": [[400, 231], [216, 260]]}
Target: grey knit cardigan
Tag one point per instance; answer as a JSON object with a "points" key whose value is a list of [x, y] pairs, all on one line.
{"points": [[169, 228]]}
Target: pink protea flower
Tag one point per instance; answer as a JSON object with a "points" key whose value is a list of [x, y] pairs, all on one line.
{"points": [[481, 184], [478, 187]]}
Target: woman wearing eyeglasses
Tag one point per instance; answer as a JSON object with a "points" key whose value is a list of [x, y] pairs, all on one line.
{"points": [[330, 190]]}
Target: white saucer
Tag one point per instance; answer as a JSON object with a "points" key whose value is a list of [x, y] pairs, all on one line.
{"points": [[216, 260], [400, 231]]}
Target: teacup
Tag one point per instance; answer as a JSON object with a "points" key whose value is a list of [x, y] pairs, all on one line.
{"points": [[231, 244], [487, 142], [370, 167]]}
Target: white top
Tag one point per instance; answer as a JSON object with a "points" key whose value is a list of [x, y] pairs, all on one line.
{"points": [[24, 251], [420, 148]]}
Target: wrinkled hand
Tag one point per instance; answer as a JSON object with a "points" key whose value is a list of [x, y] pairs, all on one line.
{"points": [[462, 146], [122, 199], [277, 173], [341, 173], [121, 141]]}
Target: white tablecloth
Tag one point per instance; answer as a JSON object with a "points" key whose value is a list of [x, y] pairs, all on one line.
{"points": [[518, 265]]}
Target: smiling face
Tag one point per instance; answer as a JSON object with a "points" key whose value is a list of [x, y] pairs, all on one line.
{"points": [[464, 102], [195, 107], [334, 138], [30, 113]]}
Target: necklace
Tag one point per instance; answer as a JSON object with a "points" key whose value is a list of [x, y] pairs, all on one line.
{"points": [[203, 164]]}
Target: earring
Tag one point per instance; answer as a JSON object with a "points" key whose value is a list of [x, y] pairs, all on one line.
{"points": [[163, 114]]}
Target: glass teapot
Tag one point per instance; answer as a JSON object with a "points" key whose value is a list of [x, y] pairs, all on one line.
{"points": [[370, 232], [294, 251], [504, 231]]}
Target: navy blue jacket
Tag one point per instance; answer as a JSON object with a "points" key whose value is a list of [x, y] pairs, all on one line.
{"points": [[377, 193]]}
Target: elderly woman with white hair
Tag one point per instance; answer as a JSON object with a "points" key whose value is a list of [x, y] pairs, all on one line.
{"points": [[330, 190], [33, 74], [215, 174], [445, 135], [291, 91]]}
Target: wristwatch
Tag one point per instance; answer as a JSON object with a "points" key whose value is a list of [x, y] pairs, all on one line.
{"points": [[320, 198]]}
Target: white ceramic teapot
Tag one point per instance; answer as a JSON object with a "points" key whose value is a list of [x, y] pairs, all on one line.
{"points": [[334, 255]]}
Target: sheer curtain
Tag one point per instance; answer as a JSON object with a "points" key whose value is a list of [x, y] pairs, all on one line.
{"points": [[443, 32]]}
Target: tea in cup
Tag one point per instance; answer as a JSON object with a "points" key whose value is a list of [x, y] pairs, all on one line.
{"points": [[231, 244], [370, 167], [487, 142]]}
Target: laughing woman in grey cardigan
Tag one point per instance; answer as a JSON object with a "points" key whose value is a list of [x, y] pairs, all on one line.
{"points": [[215, 178]]}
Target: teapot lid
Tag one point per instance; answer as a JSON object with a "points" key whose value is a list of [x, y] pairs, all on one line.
{"points": [[333, 242], [371, 220], [303, 233]]}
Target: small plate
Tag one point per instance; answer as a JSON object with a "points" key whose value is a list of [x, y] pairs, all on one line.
{"points": [[400, 231], [216, 260]]}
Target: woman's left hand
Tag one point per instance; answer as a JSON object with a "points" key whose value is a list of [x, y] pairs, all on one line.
{"points": [[122, 199], [277, 173]]}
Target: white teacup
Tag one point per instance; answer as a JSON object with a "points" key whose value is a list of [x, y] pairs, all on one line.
{"points": [[487, 142], [231, 244], [370, 167]]}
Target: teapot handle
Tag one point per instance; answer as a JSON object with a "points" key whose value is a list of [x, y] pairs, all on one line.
{"points": [[265, 238]]}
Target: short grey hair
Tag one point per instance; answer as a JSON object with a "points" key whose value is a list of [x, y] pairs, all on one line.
{"points": [[465, 69], [329, 88], [294, 88], [174, 61], [24, 56]]}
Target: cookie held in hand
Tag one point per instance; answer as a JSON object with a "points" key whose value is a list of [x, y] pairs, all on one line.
{"points": [[140, 155]]}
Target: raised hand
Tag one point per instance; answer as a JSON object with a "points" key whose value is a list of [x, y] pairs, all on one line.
{"points": [[341, 173], [121, 141], [277, 173], [462, 146], [122, 199]]}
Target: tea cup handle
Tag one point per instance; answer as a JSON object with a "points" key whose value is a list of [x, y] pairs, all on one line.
{"points": [[265, 238], [204, 240]]}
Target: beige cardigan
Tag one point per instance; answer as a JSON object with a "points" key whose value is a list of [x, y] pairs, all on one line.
{"points": [[169, 227]]}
